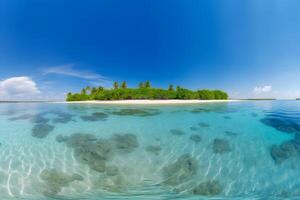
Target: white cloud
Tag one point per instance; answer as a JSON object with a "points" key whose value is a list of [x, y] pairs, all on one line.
{"points": [[68, 70], [18, 88], [262, 89], [94, 79]]}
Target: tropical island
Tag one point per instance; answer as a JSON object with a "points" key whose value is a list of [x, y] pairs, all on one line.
{"points": [[144, 91]]}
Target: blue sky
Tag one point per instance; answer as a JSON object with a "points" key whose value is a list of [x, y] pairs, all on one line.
{"points": [[250, 48]]}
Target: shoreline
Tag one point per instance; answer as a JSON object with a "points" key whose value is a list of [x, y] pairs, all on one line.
{"points": [[149, 102]]}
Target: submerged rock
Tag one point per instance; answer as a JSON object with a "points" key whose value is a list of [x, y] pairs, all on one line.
{"points": [[221, 146], [41, 130], [155, 149], [56, 180], [204, 125], [177, 132], [227, 117], [195, 138], [208, 188], [97, 116], [137, 112], [184, 168], [284, 151], [125, 143]]}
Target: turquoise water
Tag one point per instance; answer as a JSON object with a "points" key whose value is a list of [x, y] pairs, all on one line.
{"points": [[238, 150]]}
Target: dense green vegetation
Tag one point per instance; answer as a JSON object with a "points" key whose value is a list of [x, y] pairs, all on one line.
{"points": [[144, 91]]}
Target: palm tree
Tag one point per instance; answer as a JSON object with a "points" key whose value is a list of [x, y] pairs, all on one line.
{"points": [[170, 87], [124, 85], [83, 91], [141, 85], [93, 90], [100, 88], [116, 85], [147, 84], [87, 89]]}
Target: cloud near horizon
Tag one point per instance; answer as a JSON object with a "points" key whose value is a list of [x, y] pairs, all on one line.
{"points": [[18, 88], [262, 89]]}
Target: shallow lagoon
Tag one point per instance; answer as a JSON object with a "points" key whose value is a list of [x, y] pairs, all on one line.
{"points": [[238, 150]]}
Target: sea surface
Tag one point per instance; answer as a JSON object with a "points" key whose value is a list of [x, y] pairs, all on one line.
{"points": [[236, 150]]}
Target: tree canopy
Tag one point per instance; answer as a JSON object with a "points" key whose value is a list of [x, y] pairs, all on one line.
{"points": [[144, 91]]}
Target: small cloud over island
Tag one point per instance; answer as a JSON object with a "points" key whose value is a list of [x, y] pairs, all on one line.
{"points": [[262, 89]]}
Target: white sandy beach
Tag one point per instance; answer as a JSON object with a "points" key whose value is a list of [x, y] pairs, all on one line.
{"points": [[151, 102]]}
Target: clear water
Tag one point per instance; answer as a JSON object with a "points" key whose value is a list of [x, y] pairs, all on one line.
{"points": [[241, 167]]}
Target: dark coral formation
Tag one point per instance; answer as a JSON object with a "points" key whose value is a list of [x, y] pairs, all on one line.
{"points": [[183, 169], [95, 152], [221, 146], [56, 180], [155, 149], [97, 116], [194, 128], [125, 143], [195, 138], [40, 118], [137, 112], [288, 124], [227, 117], [63, 118], [203, 125], [41, 126], [34, 118], [41, 130], [282, 124], [200, 110], [60, 117], [21, 117], [61, 138], [231, 133], [284, 151], [112, 170], [115, 183], [208, 188], [177, 132], [80, 139], [254, 114]]}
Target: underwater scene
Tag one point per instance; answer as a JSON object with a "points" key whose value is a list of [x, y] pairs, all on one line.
{"points": [[236, 150]]}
